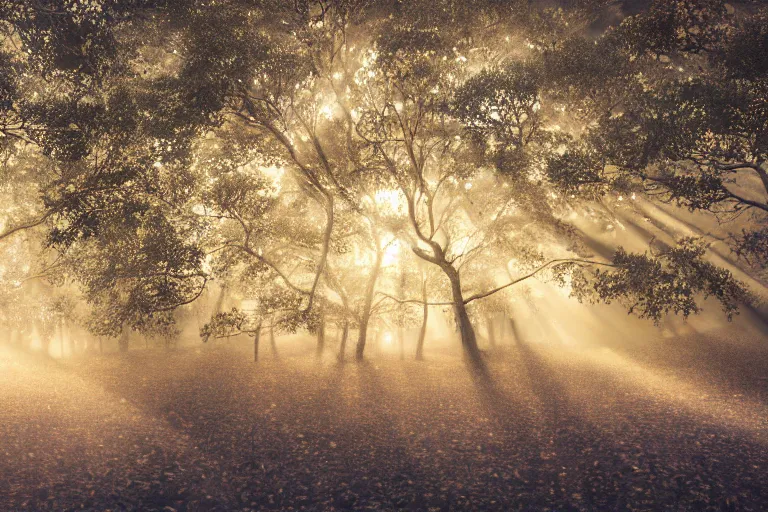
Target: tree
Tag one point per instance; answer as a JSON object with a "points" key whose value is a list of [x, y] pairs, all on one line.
{"points": [[695, 132], [435, 124], [234, 323], [267, 143]]}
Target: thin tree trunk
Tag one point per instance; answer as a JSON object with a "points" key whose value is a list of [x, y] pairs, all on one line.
{"points": [[272, 343], [401, 329], [366, 313], [70, 339], [219, 304], [124, 340], [491, 332], [503, 328], [377, 338], [321, 337], [343, 343], [256, 339], [61, 337], [513, 329], [425, 317], [45, 338]]}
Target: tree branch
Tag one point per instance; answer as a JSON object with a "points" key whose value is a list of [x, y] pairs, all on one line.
{"points": [[483, 295], [412, 301], [22, 227]]}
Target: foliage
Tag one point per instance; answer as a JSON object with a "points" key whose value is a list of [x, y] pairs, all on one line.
{"points": [[137, 275], [226, 324], [652, 285], [501, 111], [285, 148]]}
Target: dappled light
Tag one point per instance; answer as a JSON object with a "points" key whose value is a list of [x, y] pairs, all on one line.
{"points": [[383, 255]]}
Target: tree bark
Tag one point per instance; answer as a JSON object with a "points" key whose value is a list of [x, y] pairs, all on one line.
{"points": [[466, 331], [321, 337], [425, 317], [401, 328], [219, 304], [75, 345], [45, 344], [491, 331], [61, 337], [366, 313], [256, 339], [272, 343], [124, 340], [343, 343], [513, 329]]}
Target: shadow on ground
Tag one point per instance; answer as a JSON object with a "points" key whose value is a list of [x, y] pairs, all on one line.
{"points": [[605, 426]]}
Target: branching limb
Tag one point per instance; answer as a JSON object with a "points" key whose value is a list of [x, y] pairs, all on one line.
{"points": [[411, 301], [22, 227], [546, 265]]}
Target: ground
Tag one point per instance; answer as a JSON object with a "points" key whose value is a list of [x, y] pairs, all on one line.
{"points": [[667, 424]]}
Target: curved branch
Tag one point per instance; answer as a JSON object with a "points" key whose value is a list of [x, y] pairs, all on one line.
{"points": [[744, 200], [412, 301], [188, 301], [546, 265], [22, 227], [271, 265]]}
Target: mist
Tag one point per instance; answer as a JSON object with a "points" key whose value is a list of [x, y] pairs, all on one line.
{"points": [[362, 255]]}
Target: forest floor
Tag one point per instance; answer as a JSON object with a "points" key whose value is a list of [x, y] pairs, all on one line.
{"points": [[667, 425]]}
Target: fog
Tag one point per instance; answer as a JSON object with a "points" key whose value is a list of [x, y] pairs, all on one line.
{"points": [[381, 255]]}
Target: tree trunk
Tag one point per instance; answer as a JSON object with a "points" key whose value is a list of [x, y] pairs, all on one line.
{"points": [[377, 338], [44, 334], [466, 331], [425, 317], [491, 331], [272, 343], [366, 313], [464, 325], [68, 337], [45, 345], [256, 339], [513, 329], [401, 328], [343, 343], [219, 304], [124, 340], [321, 337], [61, 337]]}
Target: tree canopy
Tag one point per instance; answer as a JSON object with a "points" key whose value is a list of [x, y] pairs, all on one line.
{"points": [[346, 160]]}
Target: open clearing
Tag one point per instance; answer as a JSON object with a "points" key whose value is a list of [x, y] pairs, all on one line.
{"points": [[550, 428]]}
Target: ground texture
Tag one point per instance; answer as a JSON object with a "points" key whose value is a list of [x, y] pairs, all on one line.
{"points": [[663, 425]]}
